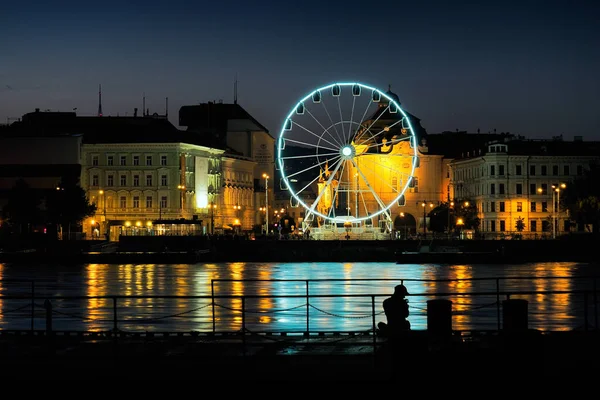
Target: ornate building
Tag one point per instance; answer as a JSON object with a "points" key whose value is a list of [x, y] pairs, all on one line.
{"points": [[515, 179]]}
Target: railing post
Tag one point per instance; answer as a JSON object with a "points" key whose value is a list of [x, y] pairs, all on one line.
{"points": [[307, 309], [374, 323], [585, 311], [498, 301], [595, 305], [115, 327], [244, 324], [212, 300], [48, 307], [32, 305]]}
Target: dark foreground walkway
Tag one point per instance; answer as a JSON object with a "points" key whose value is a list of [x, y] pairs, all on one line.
{"points": [[511, 358]]}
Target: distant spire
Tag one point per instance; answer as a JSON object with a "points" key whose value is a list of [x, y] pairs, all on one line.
{"points": [[167, 108], [389, 87], [99, 100], [235, 82], [144, 105]]}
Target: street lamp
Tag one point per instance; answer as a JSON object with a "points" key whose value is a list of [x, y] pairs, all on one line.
{"points": [[266, 201], [556, 206], [212, 207], [450, 207], [181, 189], [101, 192], [424, 204]]}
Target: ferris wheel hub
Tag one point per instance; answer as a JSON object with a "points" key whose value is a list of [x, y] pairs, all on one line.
{"points": [[348, 151]]}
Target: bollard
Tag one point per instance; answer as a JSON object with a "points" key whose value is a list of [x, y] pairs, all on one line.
{"points": [[48, 307], [439, 316], [514, 314]]}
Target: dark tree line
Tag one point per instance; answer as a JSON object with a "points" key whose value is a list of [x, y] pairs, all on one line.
{"points": [[582, 199], [59, 209]]}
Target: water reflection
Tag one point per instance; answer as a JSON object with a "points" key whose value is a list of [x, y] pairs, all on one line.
{"points": [[361, 288]]}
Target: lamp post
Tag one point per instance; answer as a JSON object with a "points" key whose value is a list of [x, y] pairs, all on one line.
{"points": [[212, 207], [266, 202], [556, 206], [181, 189], [450, 207], [105, 223], [424, 204]]}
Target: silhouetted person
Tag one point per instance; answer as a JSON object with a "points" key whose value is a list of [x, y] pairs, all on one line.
{"points": [[396, 312]]}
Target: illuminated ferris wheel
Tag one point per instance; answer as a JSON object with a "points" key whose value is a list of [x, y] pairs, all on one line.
{"points": [[347, 153]]}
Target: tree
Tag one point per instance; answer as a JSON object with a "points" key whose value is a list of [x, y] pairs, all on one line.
{"points": [[22, 209], [520, 224], [438, 218], [582, 198], [68, 205], [467, 210]]}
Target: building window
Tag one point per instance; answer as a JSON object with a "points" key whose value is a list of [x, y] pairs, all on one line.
{"points": [[555, 170], [544, 170], [149, 202], [544, 189], [580, 170], [532, 170], [136, 160], [501, 170], [123, 180], [533, 226], [533, 206], [546, 226], [493, 188], [502, 226], [501, 188], [110, 161], [95, 161], [148, 180], [148, 161], [532, 188], [123, 202], [136, 202], [163, 160], [492, 170], [518, 170], [111, 180], [519, 188], [566, 170], [519, 206], [492, 206], [163, 202], [95, 180], [394, 184], [136, 180], [493, 226], [163, 180], [123, 160], [502, 206], [544, 206]]}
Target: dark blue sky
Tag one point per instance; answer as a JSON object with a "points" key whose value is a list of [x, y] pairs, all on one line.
{"points": [[528, 67]]}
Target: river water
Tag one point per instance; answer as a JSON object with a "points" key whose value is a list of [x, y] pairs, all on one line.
{"points": [[264, 297]]}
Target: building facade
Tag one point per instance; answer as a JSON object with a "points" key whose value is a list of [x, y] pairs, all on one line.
{"points": [[517, 183]]}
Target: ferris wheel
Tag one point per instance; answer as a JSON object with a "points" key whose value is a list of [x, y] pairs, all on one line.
{"points": [[347, 153]]}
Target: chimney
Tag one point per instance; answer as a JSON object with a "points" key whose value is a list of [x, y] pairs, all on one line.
{"points": [[135, 112]]}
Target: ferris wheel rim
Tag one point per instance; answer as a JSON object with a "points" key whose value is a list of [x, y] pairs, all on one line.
{"points": [[281, 138]]}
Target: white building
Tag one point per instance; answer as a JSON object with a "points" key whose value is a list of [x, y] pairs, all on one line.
{"points": [[513, 180]]}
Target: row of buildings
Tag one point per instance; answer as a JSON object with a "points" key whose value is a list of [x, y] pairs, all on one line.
{"points": [[216, 172]]}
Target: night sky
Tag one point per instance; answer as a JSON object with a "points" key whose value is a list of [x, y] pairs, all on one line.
{"points": [[526, 67]]}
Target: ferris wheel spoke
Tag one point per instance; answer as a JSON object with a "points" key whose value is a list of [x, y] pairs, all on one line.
{"points": [[398, 172], [310, 156], [341, 121], [309, 144], [375, 196], [327, 184], [312, 133], [349, 139], [312, 166], [322, 127], [331, 211], [372, 123], [332, 123], [379, 133], [362, 118]]}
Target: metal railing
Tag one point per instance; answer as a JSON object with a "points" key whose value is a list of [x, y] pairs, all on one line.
{"points": [[307, 310]]}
